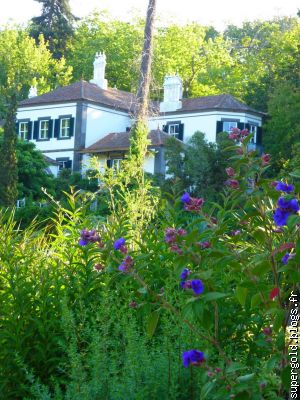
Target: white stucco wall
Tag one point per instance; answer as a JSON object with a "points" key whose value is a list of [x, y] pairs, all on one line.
{"points": [[205, 122], [102, 121], [54, 112]]}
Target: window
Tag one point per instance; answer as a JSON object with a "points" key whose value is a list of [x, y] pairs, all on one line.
{"points": [[24, 130], [253, 130], [21, 203], [44, 129], [65, 127], [64, 163], [116, 164], [173, 129], [228, 125]]}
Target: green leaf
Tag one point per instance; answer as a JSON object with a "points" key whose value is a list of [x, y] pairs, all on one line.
{"points": [[255, 300], [245, 378], [261, 268], [244, 395], [297, 258], [286, 377], [295, 174], [213, 296], [292, 221], [241, 294], [280, 315], [152, 323]]}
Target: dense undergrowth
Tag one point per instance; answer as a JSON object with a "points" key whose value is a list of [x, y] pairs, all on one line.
{"points": [[108, 314]]}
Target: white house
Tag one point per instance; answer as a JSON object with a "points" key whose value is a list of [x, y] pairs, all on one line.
{"points": [[73, 122]]}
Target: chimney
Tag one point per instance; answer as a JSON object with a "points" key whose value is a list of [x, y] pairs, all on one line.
{"points": [[99, 71], [172, 94], [32, 92]]}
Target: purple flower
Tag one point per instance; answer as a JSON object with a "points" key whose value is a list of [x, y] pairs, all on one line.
{"points": [[185, 273], [197, 286], [284, 187], [126, 264], [284, 210], [192, 357], [185, 198], [87, 237], [285, 259], [119, 243], [172, 234]]}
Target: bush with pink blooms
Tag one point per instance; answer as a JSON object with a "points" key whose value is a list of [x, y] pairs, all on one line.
{"points": [[196, 305]]}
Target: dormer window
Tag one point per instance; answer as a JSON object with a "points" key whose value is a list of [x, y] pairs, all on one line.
{"points": [[24, 130], [65, 127], [44, 129]]}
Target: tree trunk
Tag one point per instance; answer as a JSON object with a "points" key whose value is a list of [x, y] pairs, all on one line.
{"points": [[145, 71]]}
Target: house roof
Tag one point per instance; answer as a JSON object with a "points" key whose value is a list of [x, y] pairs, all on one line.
{"points": [[85, 91], [125, 101], [50, 160], [216, 102], [119, 141]]}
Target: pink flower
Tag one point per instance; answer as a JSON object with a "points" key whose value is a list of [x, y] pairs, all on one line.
{"points": [[230, 171], [274, 293], [244, 132], [265, 159], [233, 136], [176, 249], [204, 245], [239, 151], [98, 267], [194, 204], [233, 183], [267, 331]]}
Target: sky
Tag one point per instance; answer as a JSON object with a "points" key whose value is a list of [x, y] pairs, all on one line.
{"points": [[218, 13]]}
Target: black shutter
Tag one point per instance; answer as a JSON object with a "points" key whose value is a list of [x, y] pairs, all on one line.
{"points": [[68, 164], [30, 130], [247, 126], [165, 128], [50, 128], [181, 130], [71, 126], [56, 128], [259, 135], [219, 126], [36, 130], [241, 125], [109, 163], [17, 128]]}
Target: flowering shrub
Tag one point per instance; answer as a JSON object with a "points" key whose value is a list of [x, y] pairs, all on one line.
{"points": [[196, 305]]}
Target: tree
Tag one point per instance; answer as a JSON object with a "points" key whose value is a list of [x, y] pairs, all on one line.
{"points": [[33, 175], [23, 64], [198, 166], [121, 42], [55, 24], [282, 129], [8, 158]]}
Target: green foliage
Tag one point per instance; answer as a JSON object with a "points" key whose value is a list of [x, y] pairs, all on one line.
{"points": [[198, 164], [283, 126], [121, 42], [32, 171], [8, 158], [55, 24], [23, 63]]}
